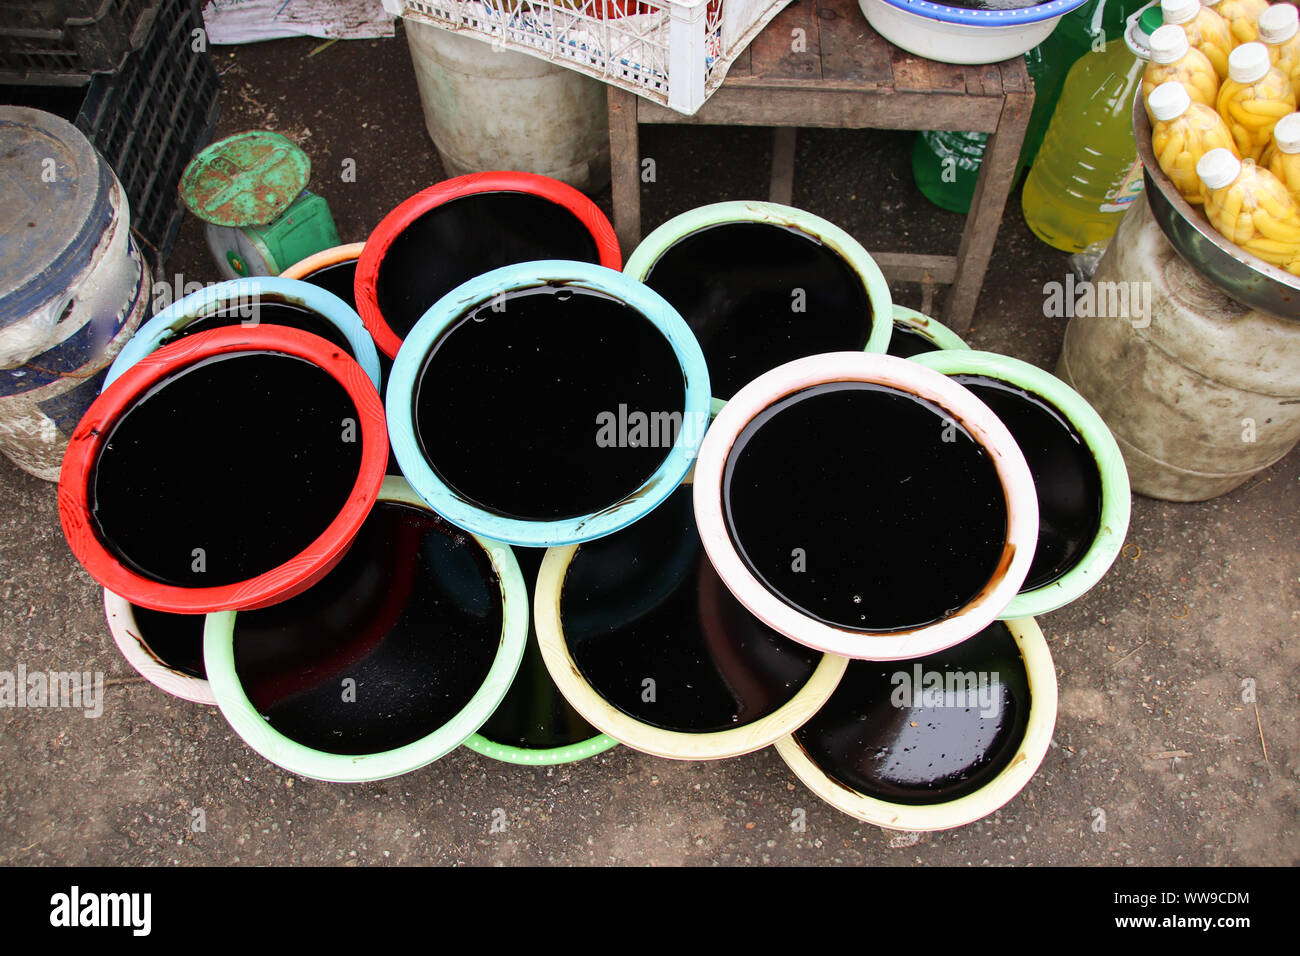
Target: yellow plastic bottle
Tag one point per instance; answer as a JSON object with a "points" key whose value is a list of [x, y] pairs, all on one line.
{"points": [[1242, 17], [1184, 132], [1253, 98], [1282, 159], [1087, 173], [1205, 29], [1250, 206], [1279, 30], [1173, 58]]}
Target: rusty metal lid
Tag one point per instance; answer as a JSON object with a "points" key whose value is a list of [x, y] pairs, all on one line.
{"points": [[54, 207], [245, 180]]}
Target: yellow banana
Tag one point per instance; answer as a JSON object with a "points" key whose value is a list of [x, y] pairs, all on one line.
{"points": [[1252, 121], [1177, 144], [1272, 250], [1270, 109], [1272, 228], [1231, 209], [1280, 206]]}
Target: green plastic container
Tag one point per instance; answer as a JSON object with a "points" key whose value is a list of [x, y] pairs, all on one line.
{"points": [[257, 732], [642, 261], [1116, 500], [946, 163], [534, 693], [916, 333]]}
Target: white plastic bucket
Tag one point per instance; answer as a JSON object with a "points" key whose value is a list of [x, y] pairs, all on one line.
{"points": [[488, 109]]}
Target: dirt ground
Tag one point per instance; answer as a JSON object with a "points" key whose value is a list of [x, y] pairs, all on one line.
{"points": [[1157, 759]]}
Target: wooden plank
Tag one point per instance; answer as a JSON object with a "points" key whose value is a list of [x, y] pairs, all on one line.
{"points": [[1015, 76], [991, 188], [927, 298], [974, 81], [983, 80], [917, 73], [911, 267], [909, 71], [852, 52], [740, 65], [781, 189], [788, 47], [744, 105], [946, 76], [624, 167]]}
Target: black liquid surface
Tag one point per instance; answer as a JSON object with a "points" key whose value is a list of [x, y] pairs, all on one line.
{"points": [[905, 342], [758, 295], [226, 469], [466, 237], [339, 278], [175, 639], [645, 604], [534, 715], [508, 405], [864, 507], [1066, 476], [887, 734], [412, 614], [268, 311]]}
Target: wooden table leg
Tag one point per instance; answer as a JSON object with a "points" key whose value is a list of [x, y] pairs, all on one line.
{"points": [[997, 174], [624, 168], [781, 188]]}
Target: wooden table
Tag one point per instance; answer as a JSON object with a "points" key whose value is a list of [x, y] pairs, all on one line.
{"points": [[848, 77]]}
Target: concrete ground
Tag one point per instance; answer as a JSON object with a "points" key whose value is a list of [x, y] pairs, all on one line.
{"points": [[1156, 758]]}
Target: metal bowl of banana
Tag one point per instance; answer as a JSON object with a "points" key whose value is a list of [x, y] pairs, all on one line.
{"points": [[1245, 277]]}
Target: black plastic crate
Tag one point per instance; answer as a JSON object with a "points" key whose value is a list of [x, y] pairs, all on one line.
{"points": [[148, 120], [66, 42]]}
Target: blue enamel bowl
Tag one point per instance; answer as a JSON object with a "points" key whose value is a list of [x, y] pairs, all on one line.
{"points": [[951, 34]]}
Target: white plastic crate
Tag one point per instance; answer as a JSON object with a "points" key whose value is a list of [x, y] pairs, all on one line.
{"points": [[675, 52]]}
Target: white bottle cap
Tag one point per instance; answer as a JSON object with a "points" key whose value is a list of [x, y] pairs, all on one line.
{"points": [[1169, 44], [1218, 168], [1169, 100], [1249, 63], [1180, 11], [1286, 133], [1278, 23]]}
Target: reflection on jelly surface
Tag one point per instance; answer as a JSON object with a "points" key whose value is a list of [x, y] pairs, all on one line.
{"points": [[466, 237], [226, 469], [266, 310], [928, 730], [1066, 476], [645, 605], [387, 648], [509, 405], [905, 342], [534, 715], [758, 295], [864, 507], [175, 639]]}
